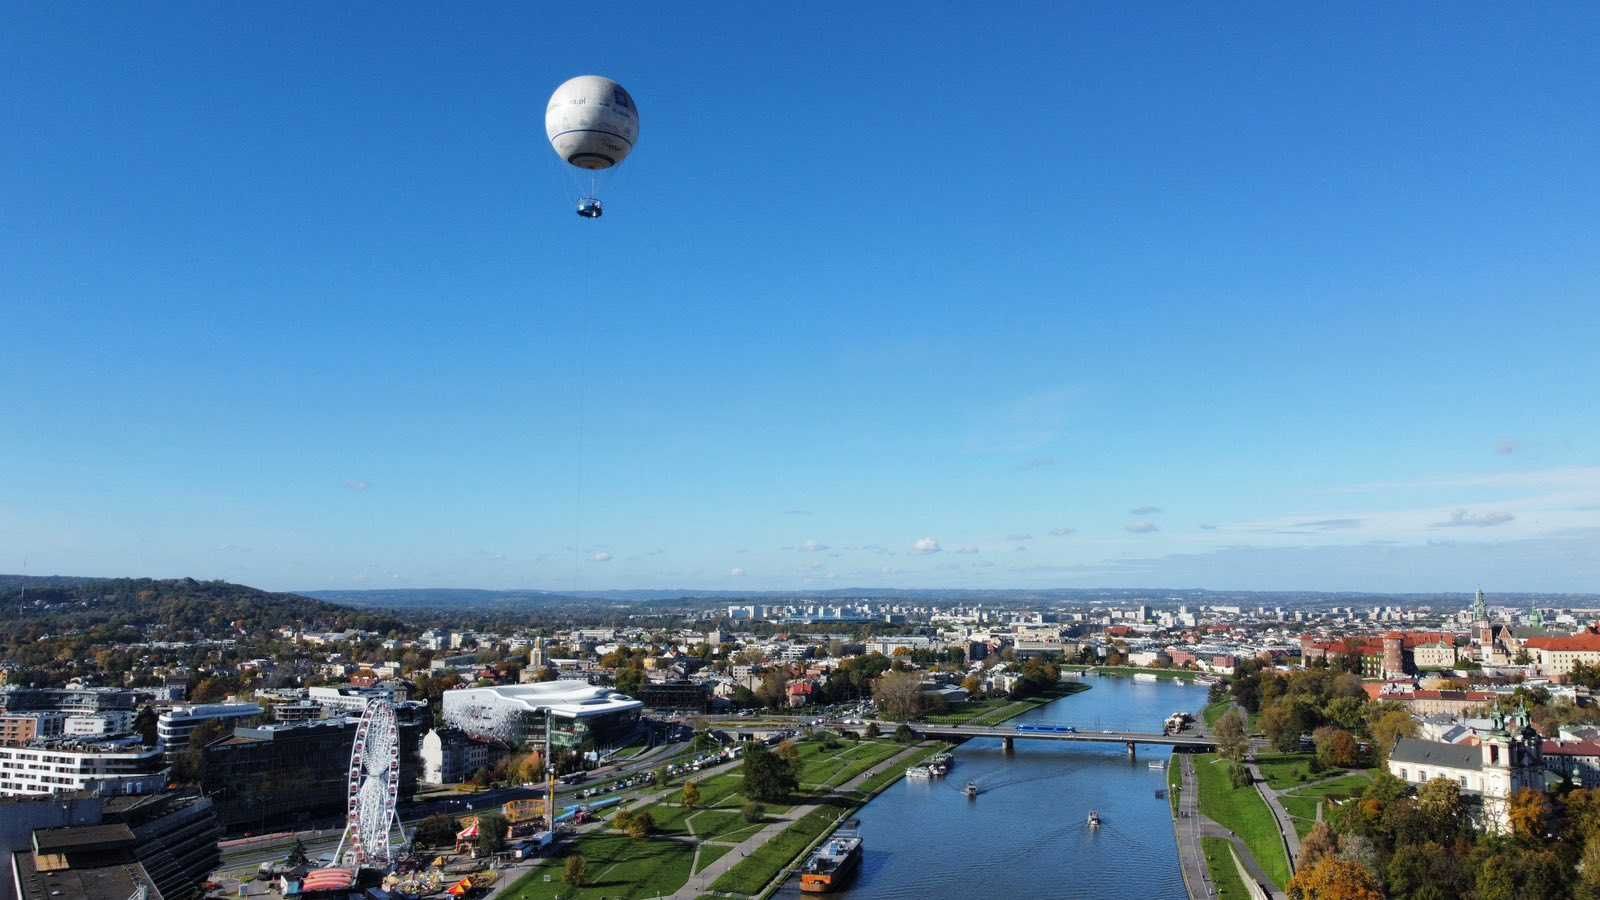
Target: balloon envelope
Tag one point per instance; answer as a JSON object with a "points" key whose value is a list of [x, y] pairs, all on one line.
{"points": [[591, 122]]}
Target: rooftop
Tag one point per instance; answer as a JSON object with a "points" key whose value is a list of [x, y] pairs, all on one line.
{"points": [[1434, 753], [565, 698]]}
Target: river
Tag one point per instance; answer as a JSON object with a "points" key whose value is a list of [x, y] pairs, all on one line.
{"points": [[1025, 835]]}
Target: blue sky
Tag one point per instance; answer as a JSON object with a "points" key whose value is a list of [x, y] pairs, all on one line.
{"points": [[1249, 297]]}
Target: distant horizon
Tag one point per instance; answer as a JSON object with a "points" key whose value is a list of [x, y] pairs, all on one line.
{"points": [[818, 591]]}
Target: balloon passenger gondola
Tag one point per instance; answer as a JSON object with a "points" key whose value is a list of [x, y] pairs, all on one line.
{"points": [[590, 208]]}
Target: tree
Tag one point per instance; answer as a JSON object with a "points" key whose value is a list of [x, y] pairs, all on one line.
{"points": [[703, 742], [773, 691], [753, 812], [1332, 878], [438, 830], [691, 794], [898, 695], [529, 767], [1232, 742], [873, 731], [297, 854], [630, 680], [189, 767], [576, 871], [973, 685], [1439, 801], [903, 734], [491, 834], [662, 777], [638, 825], [1528, 811], [1389, 726], [1348, 713], [1335, 746], [144, 725], [768, 776], [1319, 842]]}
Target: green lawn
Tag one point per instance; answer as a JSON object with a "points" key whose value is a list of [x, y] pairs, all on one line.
{"points": [[993, 712], [753, 873], [1302, 803], [1214, 711], [1287, 770], [710, 853], [823, 769], [1244, 812], [1224, 874], [619, 868]]}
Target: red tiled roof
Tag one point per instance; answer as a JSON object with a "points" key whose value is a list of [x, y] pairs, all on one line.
{"points": [[1572, 748], [1575, 643]]}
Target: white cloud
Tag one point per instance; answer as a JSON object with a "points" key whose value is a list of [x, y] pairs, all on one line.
{"points": [[1141, 527], [1144, 511], [1462, 518], [1062, 532], [357, 485], [736, 572], [965, 549], [1016, 538], [812, 547], [601, 556], [926, 545], [1505, 447]]}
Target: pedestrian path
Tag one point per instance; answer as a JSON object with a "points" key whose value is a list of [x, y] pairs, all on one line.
{"points": [[1191, 826], [1291, 837]]}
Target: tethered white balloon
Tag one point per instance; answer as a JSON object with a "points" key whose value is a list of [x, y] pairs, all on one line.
{"points": [[592, 124]]}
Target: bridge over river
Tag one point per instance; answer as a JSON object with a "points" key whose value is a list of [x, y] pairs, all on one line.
{"points": [[1009, 734]]}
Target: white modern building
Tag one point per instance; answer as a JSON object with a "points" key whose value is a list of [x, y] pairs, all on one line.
{"points": [[106, 766], [174, 726], [582, 717]]}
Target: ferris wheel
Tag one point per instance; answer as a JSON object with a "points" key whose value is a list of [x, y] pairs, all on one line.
{"points": [[373, 788]]}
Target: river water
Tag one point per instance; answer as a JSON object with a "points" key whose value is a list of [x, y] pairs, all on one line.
{"points": [[1026, 834]]}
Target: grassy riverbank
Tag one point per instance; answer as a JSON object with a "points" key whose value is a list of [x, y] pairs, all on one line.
{"points": [[1242, 811], [1224, 874]]}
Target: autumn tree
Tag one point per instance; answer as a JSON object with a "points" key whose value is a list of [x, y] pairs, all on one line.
{"points": [[1389, 726], [1335, 746], [1529, 810], [1232, 742], [898, 695], [1332, 878], [1320, 841], [691, 794], [576, 872]]}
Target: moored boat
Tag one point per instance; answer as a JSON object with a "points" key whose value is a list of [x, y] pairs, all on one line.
{"points": [[919, 772], [833, 865]]}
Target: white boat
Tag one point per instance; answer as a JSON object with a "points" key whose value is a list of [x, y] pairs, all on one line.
{"points": [[1094, 818], [1143, 676], [919, 772], [1157, 765]]}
